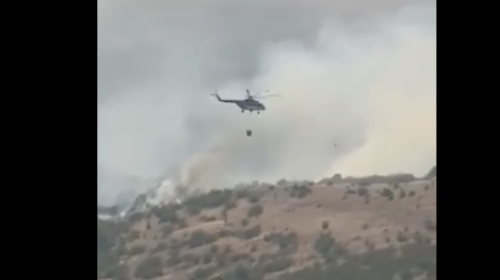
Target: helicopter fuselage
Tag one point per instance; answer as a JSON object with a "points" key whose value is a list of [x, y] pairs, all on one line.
{"points": [[250, 105]]}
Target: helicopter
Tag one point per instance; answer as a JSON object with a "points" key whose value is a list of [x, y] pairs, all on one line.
{"points": [[250, 103]]}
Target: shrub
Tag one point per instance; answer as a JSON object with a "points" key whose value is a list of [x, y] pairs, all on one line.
{"points": [[300, 191], [362, 192], [253, 198], [402, 194], [283, 240], [161, 247], [387, 193], [149, 268], [250, 233], [324, 244], [325, 225], [199, 238], [255, 211], [277, 265], [137, 250], [212, 199]]}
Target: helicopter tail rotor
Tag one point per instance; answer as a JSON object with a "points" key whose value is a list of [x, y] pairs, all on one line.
{"points": [[216, 95]]}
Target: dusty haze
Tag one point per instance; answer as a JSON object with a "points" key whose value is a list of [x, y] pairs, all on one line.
{"points": [[358, 75]]}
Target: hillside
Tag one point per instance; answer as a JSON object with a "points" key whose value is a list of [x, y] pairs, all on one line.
{"points": [[377, 228]]}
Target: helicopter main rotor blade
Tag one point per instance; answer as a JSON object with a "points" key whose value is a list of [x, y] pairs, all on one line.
{"points": [[266, 96]]}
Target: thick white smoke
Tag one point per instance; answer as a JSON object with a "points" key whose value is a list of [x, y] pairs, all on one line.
{"points": [[358, 97]]}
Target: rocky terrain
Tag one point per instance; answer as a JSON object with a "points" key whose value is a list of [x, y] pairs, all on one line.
{"points": [[373, 228]]}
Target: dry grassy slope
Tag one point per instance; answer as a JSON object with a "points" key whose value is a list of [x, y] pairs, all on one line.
{"points": [[352, 220]]}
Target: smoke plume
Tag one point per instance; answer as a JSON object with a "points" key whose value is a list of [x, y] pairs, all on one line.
{"points": [[357, 84]]}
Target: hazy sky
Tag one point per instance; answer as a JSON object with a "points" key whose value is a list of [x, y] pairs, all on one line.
{"points": [[360, 74]]}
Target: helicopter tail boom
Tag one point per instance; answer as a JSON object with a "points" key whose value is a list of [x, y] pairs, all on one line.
{"points": [[220, 99], [216, 95]]}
